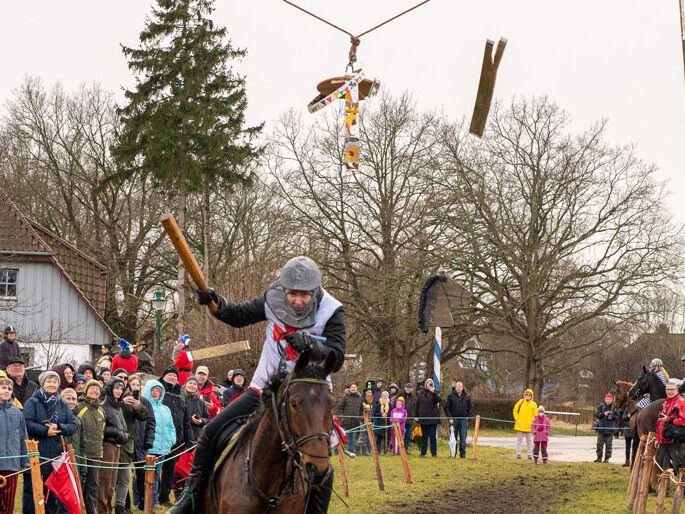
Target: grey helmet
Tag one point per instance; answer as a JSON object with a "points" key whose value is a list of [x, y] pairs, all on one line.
{"points": [[10, 330], [300, 274], [655, 363]]}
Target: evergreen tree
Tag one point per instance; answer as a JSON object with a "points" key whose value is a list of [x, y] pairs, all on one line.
{"points": [[184, 123]]}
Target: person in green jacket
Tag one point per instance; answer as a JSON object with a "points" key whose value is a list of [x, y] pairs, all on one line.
{"points": [[92, 417]]}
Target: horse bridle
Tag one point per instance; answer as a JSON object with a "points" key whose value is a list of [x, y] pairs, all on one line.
{"points": [[293, 447]]}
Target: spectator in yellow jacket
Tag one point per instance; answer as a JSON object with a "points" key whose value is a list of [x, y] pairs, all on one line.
{"points": [[524, 412]]}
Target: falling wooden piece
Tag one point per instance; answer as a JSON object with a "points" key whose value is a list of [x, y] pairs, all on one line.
{"points": [[486, 86], [219, 350]]}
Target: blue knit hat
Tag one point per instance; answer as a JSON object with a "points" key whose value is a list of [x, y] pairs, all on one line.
{"points": [[124, 344], [185, 339]]}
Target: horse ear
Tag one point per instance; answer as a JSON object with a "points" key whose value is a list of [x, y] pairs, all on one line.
{"points": [[644, 369], [329, 364], [302, 362]]}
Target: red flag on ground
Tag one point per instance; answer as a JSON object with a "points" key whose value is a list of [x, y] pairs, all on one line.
{"points": [[63, 483]]}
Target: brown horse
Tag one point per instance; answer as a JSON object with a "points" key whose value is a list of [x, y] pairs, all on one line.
{"points": [[284, 446]]}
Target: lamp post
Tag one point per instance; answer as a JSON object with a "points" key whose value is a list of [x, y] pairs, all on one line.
{"points": [[158, 304]]}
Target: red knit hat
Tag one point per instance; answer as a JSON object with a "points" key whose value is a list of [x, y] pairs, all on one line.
{"points": [[609, 395]]}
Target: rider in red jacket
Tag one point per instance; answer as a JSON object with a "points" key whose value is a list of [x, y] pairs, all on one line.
{"points": [[184, 360]]}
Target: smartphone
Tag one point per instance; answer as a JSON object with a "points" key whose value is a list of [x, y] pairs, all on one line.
{"points": [[136, 394]]}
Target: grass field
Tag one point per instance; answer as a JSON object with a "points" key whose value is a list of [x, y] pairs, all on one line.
{"points": [[495, 482]]}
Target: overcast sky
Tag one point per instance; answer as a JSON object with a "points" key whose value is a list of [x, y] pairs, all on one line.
{"points": [[615, 59]]}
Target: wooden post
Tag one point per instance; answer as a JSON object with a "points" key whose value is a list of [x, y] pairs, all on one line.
{"points": [[664, 479], [650, 451], [475, 436], [74, 470], [341, 456], [372, 440], [638, 467], [637, 462], [149, 484], [36, 478], [403, 452], [678, 495]]}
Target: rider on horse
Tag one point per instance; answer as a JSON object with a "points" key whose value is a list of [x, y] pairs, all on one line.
{"points": [[658, 368], [296, 309]]}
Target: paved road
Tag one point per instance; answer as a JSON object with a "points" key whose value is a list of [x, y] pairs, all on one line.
{"points": [[564, 448]]}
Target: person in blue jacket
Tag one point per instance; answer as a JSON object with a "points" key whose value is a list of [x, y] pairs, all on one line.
{"points": [[165, 432], [47, 418]]}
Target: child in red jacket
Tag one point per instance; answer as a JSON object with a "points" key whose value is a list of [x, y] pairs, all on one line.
{"points": [[540, 428], [184, 359]]}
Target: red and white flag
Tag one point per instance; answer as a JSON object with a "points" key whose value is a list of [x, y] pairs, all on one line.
{"points": [[62, 482]]}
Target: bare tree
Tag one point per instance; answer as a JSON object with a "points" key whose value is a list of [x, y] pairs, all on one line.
{"points": [[554, 231]]}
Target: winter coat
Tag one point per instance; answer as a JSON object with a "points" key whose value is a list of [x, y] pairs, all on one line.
{"points": [[145, 431], [541, 428], [524, 412], [410, 403], [131, 415], [125, 360], [93, 419], [105, 361], [24, 391], [350, 410], [427, 406], [184, 363], [674, 410], [230, 393], [377, 394], [63, 384], [35, 414], [13, 440], [176, 404], [9, 349], [208, 395], [78, 438], [194, 405], [146, 362], [83, 367], [606, 423], [399, 413], [115, 424], [165, 432], [458, 405], [381, 413]]}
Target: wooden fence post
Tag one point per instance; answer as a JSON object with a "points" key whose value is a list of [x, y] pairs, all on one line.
{"points": [[149, 484], [36, 478], [403, 453], [638, 465], [372, 440], [475, 436], [74, 469], [664, 479], [650, 451], [637, 462], [678, 494], [346, 488]]}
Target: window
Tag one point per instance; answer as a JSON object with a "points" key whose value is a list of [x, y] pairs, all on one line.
{"points": [[8, 283]]}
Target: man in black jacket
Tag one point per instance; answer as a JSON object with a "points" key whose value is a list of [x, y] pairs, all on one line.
{"points": [[115, 434], [9, 348], [409, 404], [23, 387], [350, 413], [301, 317], [427, 415], [176, 404], [458, 408], [606, 417]]}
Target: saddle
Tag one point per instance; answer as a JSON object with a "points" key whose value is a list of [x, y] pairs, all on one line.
{"points": [[226, 439]]}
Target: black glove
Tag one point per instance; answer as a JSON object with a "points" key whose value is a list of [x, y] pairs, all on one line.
{"points": [[318, 352], [299, 342], [206, 297]]}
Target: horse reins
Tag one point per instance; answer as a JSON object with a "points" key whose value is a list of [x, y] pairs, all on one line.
{"points": [[293, 448]]}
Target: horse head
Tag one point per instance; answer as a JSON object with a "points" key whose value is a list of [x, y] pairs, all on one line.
{"points": [[308, 412], [640, 386], [621, 394]]}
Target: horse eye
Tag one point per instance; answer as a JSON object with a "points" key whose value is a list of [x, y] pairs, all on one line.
{"points": [[293, 404]]}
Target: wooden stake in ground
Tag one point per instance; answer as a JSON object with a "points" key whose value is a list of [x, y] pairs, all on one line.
{"points": [[403, 453], [638, 470], [149, 484], [74, 470], [678, 494], [486, 86], [650, 451], [341, 456], [636, 465], [36, 478], [664, 479], [372, 440], [475, 436]]}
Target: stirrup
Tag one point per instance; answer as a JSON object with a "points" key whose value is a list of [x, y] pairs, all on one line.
{"points": [[186, 492]]}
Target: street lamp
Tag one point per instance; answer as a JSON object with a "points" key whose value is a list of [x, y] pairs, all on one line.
{"points": [[158, 304]]}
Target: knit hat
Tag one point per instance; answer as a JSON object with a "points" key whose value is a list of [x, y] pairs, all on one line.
{"points": [[393, 385], [119, 370], [170, 369], [81, 378], [103, 369], [92, 382], [609, 395], [202, 369], [124, 344], [185, 339], [541, 409], [409, 384], [45, 375], [193, 378]]}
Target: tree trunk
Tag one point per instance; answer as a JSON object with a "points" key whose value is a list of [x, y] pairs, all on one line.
{"points": [[181, 279], [206, 231]]}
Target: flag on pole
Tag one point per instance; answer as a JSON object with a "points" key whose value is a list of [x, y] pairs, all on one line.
{"points": [[62, 483]]}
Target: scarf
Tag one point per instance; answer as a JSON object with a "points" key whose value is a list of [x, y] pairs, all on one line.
{"points": [[50, 402], [280, 306]]}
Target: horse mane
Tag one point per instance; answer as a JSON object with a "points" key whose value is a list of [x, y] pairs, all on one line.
{"points": [[274, 384]]}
